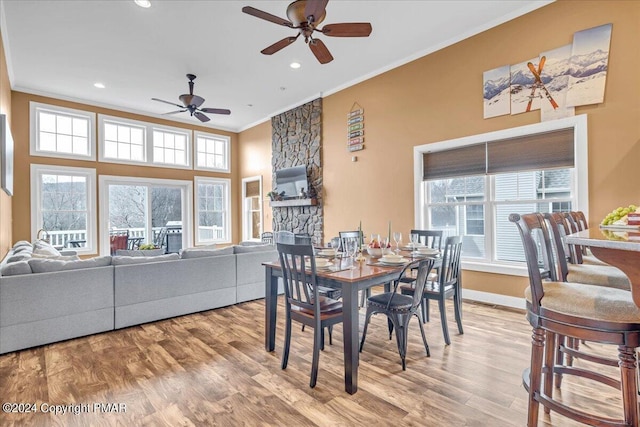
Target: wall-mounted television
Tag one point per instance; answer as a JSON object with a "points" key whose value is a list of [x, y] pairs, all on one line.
{"points": [[292, 181]]}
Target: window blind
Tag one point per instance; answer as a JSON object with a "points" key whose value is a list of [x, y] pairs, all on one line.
{"points": [[530, 152]]}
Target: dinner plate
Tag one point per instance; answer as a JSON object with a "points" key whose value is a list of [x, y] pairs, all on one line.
{"points": [[427, 251], [326, 253], [411, 248], [393, 262], [326, 265]]}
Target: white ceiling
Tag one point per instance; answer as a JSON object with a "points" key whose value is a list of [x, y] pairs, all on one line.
{"points": [[61, 48]]}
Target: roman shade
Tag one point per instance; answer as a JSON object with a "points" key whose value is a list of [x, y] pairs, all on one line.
{"points": [[538, 151]]}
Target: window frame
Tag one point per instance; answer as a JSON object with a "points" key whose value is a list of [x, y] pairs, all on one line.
{"points": [[580, 182], [196, 211], [37, 170], [34, 126], [148, 130], [227, 142]]}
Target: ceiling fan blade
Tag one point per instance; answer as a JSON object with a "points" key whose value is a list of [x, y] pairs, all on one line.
{"points": [[201, 116], [315, 8], [174, 112], [216, 110], [320, 51], [347, 29], [278, 45], [266, 16], [167, 102]]}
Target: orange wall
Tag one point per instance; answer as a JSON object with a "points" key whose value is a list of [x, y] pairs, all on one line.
{"points": [[439, 97], [23, 160], [5, 200], [255, 157]]}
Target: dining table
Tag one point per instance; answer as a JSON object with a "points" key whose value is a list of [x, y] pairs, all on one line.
{"points": [[359, 276], [619, 247]]}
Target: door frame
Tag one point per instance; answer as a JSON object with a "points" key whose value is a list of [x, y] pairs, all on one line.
{"points": [[245, 219]]}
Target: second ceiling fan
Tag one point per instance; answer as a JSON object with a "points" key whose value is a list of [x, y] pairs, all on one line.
{"points": [[305, 16]]}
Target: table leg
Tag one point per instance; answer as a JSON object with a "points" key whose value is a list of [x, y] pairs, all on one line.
{"points": [[350, 337], [270, 310]]}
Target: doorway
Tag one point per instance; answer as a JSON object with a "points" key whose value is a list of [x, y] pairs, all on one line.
{"points": [[252, 208]]}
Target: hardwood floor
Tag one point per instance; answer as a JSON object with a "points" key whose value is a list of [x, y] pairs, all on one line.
{"points": [[211, 368]]}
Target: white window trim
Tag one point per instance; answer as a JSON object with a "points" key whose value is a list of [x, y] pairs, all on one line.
{"points": [[148, 142], [187, 203], [580, 178], [210, 180], [37, 170], [227, 140], [245, 220], [34, 134]]}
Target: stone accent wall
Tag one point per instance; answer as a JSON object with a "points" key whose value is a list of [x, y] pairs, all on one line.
{"points": [[296, 140]]}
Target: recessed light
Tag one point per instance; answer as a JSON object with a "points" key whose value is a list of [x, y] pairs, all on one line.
{"points": [[249, 105], [294, 65], [99, 85], [143, 3]]}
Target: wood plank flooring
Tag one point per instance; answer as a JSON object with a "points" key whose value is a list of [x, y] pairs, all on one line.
{"points": [[211, 368]]}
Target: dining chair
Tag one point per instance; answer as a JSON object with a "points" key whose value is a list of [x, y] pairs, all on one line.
{"points": [[267, 237], [356, 234], [579, 254], [583, 312], [447, 284], [430, 238], [303, 303], [593, 274], [399, 308], [118, 240]]}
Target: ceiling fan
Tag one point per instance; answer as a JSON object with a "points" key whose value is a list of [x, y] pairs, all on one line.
{"points": [[305, 16], [192, 103]]}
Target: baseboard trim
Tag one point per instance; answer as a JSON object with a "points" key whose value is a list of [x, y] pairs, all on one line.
{"points": [[491, 298]]}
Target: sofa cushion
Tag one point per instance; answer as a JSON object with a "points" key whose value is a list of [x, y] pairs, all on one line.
{"points": [[15, 268], [252, 243], [44, 248], [23, 249], [22, 243], [44, 265], [59, 258], [139, 252], [20, 256], [200, 253], [126, 260], [253, 248]]}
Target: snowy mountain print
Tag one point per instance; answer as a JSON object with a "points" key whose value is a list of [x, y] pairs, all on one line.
{"points": [[523, 89], [588, 66], [555, 76], [496, 92]]}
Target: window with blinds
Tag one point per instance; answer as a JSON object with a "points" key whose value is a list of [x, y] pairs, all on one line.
{"points": [[471, 189]]}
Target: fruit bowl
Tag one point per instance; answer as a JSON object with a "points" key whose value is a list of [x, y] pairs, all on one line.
{"points": [[376, 252]]}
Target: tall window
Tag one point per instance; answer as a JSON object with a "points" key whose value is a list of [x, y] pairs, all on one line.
{"points": [[62, 199], [213, 210], [61, 132], [471, 185], [212, 152]]}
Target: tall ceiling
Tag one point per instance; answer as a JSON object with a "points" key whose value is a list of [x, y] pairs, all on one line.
{"points": [[60, 48]]}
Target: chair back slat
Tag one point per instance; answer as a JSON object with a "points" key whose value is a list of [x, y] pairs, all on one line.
{"points": [[450, 270], [423, 266], [534, 234], [430, 238], [559, 228], [299, 275], [344, 235]]}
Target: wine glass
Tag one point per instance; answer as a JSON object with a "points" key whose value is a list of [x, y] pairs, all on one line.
{"points": [[397, 237], [414, 240], [351, 248]]}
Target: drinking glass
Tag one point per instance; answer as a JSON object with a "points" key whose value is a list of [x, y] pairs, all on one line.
{"points": [[384, 241], [351, 248], [335, 244], [414, 240], [397, 237]]}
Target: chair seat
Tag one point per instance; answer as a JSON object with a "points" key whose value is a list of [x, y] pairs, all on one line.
{"points": [[398, 303], [603, 275], [598, 303], [328, 306], [430, 288]]}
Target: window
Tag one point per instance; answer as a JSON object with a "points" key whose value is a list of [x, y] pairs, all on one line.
{"points": [[62, 200], [130, 141], [213, 210], [469, 186], [212, 152], [61, 132]]}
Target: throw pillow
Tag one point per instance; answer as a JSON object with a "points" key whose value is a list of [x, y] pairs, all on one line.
{"points": [[201, 253], [140, 252], [44, 248], [43, 265], [23, 249], [127, 260], [15, 268], [59, 258], [22, 243]]}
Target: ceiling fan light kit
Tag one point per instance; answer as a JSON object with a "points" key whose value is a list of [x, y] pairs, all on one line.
{"points": [[305, 16], [192, 103]]}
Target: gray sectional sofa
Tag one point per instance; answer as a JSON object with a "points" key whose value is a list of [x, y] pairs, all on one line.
{"points": [[44, 300]]}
